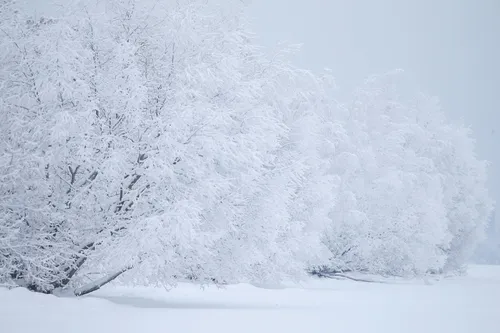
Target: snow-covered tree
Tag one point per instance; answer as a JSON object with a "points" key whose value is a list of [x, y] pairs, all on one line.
{"points": [[466, 199], [144, 138], [412, 195], [489, 250]]}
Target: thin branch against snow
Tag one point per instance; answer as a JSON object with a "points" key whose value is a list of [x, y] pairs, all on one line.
{"points": [[97, 284]]}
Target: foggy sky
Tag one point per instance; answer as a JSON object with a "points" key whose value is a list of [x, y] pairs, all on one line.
{"points": [[450, 47]]}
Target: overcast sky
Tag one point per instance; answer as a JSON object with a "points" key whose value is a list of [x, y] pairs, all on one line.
{"points": [[450, 47]]}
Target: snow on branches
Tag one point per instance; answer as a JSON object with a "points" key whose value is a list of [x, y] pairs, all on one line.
{"points": [[412, 196], [138, 136], [160, 142]]}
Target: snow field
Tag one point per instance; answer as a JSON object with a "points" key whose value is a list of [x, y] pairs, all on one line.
{"points": [[461, 304]]}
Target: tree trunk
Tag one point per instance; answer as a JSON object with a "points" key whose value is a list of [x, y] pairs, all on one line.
{"points": [[96, 285]]}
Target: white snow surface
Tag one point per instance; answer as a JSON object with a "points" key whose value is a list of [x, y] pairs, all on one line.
{"points": [[460, 304]]}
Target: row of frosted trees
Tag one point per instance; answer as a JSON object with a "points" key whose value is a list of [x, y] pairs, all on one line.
{"points": [[158, 143]]}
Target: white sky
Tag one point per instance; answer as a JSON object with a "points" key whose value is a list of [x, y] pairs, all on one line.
{"points": [[450, 47]]}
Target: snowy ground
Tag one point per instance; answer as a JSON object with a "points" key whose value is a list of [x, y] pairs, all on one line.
{"points": [[466, 304]]}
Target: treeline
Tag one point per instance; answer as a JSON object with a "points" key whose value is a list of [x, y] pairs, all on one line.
{"points": [[159, 143]]}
